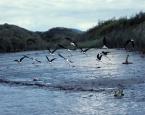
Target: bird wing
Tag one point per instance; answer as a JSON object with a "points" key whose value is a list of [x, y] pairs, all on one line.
{"points": [[61, 56], [87, 49], [21, 59], [105, 53], [47, 58], [99, 56], [16, 60], [61, 46], [37, 60], [81, 49], [49, 50], [53, 59], [54, 50], [28, 57]]}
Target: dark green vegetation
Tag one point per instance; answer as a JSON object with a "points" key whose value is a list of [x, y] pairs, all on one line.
{"points": [[14, 38], [116, 31]]}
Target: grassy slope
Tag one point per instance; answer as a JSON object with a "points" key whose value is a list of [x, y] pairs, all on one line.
{"points": [[118, 31]]}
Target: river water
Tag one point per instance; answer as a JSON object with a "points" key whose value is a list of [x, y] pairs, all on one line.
{"points": [[84, 87]]}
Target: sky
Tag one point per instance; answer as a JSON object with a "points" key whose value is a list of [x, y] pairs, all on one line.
{"points": [[41, 15]]}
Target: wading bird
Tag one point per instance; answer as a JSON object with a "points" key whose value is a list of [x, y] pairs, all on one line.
{"points": [[50, 60]]}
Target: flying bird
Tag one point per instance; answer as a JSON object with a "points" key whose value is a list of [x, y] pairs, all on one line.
{"points": [[67, 60], [63, 47], [84, 50], [21, 59], [74, 44], [32, 58], [37, 60], [50, 60], [51, 52]]}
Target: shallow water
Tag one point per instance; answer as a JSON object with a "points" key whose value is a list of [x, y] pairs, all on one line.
{"points": [[83, 88]]}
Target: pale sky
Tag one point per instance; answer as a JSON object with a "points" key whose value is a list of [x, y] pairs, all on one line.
{"points": [[41, 15]]}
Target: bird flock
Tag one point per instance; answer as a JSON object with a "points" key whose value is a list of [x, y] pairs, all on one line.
{"points": [[60, 46], [74, 46]]}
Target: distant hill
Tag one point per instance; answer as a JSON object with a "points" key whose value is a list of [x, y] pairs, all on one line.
{"points": [[59, 33], [14, 38]]}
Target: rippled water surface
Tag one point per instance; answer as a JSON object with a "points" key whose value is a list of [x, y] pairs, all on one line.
{"points": [[83, 88]]}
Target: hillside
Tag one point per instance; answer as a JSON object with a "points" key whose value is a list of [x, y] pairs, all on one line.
{"points": [[117, 31], [14, 38]]}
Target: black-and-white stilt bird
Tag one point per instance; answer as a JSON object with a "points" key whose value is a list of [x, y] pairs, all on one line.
{"points": [[72, 43]]}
